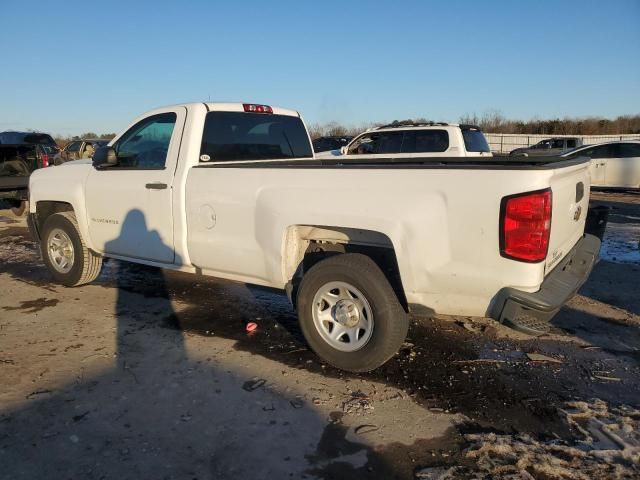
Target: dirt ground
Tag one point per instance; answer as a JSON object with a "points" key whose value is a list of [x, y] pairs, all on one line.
{"points": [[151, 374]]}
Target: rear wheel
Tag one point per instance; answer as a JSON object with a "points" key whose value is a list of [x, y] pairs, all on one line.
{"points": [[64, 252], [349, 313]]}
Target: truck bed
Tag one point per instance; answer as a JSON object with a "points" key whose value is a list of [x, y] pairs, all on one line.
{"points": [[465, 163]]}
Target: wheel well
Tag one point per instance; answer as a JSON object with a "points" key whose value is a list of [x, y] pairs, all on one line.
{"points": [[45, 209], [307, 245]]}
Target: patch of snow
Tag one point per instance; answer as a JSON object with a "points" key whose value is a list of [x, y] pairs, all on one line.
{"points": [[621, 243]]}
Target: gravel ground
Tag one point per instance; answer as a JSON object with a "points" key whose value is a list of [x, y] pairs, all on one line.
{"points": [[151, 374]]}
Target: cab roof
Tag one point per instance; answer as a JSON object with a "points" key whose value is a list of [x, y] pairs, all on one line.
{"points": [[228, 107], [239, 107]]}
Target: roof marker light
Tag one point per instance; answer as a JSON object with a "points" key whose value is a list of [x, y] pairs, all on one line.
{"points": [[252, 108]]}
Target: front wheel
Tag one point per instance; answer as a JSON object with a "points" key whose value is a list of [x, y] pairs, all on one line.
{"points": [[64, 252], [349, 313]]}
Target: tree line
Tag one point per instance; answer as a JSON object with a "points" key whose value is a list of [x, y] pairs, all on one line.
{"points": [[489, 122], [63, 140], [495, 122]]}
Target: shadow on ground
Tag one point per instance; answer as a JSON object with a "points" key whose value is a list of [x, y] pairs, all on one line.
{"points": [[152, 411]]}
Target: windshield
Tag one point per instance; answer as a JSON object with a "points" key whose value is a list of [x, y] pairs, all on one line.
{"points": [[474, 140], [254, 136]]}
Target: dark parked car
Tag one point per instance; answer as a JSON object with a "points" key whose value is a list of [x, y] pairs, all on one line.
{"points": [[324, 144], [549, 146], [20, 154], [16, 164], [78, 149], [45, 140]]}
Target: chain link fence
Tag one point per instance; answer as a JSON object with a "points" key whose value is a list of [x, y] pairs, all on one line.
{"points": [[505, 142]]}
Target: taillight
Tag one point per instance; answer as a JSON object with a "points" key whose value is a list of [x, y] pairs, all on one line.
{"points": [[45, 160], [525, 225], [250, 107]]}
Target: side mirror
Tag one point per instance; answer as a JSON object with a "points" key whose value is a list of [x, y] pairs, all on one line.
{"points": [[104, 157], [343, 150]]}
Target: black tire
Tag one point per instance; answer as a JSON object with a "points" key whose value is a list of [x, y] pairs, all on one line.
{"points": [[390, 320], [86, 265]]}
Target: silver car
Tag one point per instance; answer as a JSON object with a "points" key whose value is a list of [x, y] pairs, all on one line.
{"points": [[613, 164]]}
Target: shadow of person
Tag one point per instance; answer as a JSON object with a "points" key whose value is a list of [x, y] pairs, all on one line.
{"points": [[142, 406], [134, 231]]}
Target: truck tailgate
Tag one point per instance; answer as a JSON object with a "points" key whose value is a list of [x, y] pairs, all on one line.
{"points": [[570, 190]]}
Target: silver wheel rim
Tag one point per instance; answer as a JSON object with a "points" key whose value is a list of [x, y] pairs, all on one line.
{"points": [[342, 316], [60, 250]]}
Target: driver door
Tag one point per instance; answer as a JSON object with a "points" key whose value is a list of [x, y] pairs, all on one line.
{"points": [[129, 205]]}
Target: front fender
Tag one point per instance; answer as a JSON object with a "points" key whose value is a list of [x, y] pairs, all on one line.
{"points": [[64, 183]]}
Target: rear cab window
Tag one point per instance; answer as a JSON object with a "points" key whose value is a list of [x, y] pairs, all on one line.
{"points": [[474, 140], [233, 136]]}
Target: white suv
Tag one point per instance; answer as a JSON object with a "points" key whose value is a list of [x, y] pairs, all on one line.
{"points": [[404, 140]]}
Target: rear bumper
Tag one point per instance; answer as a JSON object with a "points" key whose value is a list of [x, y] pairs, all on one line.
{"points": [[531, 312]]}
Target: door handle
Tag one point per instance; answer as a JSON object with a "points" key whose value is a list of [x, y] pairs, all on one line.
{"points": [[156, 186]]}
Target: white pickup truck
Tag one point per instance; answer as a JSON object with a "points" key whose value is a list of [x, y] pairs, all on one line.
{"points": [[234, 191], [416, 140]]}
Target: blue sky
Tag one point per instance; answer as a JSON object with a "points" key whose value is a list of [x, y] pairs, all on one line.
{"points": [[70, 67]]}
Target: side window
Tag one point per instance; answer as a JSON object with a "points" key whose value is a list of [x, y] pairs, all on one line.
{"points": [[425, 141], [557, 143], [628, 150], [571, 143], [389, 143], [377, 143], [584, 153], [145, 145], [602, 151], [364, 145], [73, 147]]}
